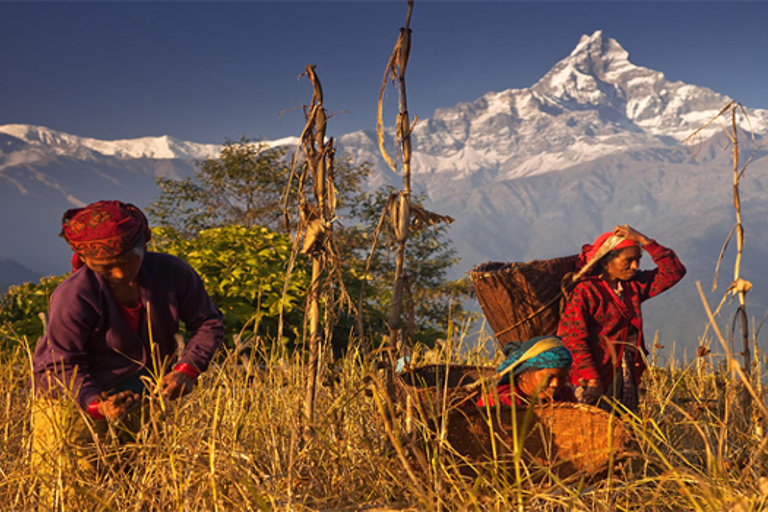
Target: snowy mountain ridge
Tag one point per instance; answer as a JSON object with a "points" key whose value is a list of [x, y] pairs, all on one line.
{"points": [[593, 103], [58, 143]]}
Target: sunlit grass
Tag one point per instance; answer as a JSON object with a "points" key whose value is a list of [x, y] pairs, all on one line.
{"points": [[238, 443]]}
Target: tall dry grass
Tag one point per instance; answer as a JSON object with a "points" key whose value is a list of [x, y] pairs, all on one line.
{"points": [[237, 443]]}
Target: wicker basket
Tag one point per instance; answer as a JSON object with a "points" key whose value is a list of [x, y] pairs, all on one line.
{"points": [[436, 388], [566, 439], [521, 300]]}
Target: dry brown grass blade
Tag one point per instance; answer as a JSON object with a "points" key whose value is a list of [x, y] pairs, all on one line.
{"points": [[689, 139], [720, 257], [734, 366], [390, 73]]}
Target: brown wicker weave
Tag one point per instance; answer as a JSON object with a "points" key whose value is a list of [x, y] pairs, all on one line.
{"points": [[521, 300], [434, 389], [567, 439]]}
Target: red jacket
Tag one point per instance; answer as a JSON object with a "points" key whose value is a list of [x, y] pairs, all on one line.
{"points": [[595, 323]]}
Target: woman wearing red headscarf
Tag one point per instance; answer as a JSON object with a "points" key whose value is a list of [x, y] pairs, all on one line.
{"points": [[112, 332], [602, 324]]}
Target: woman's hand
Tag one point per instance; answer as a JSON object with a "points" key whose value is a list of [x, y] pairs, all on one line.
{"points": [[114, 406], [591, 391], [176, 384], [627, 231]]}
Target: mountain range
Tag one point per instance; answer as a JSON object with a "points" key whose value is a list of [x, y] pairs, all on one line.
{"points": [[527, 173]]}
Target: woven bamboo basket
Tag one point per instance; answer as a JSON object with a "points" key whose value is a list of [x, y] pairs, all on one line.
{"points": [[566, 439], [521, 300], [433, 389]]}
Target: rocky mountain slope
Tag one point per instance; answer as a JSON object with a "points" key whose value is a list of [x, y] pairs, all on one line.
{"points": [[527, 173]]}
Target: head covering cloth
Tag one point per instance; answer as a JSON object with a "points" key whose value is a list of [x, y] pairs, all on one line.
{"points": [[535, 354], [603, 244], [103, 230]]}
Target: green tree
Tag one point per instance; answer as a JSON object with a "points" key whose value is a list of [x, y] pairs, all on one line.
{"points": [[242, 186], [433, 299], [245, 185]]}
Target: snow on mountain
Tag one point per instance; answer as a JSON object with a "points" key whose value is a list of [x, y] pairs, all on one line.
{"points": [[593, 103], [527, 173], [58, 143]]}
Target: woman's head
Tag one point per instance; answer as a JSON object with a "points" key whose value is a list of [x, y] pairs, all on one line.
{"points": [[541, 384], [105, 231], [621, 264], [539, 366]]}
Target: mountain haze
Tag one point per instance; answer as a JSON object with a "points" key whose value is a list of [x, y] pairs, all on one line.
{"points": [[527, 174]]}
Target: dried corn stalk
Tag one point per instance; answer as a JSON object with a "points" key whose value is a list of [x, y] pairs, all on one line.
{"points": [[403, 215], [314, 234], [399, 207], [739, 287]]}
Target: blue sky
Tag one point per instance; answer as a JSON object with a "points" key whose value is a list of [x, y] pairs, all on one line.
{"points": [[212, 71]]}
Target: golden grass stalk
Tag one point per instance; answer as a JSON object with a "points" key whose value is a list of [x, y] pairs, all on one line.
{"points": [[237, 443]]}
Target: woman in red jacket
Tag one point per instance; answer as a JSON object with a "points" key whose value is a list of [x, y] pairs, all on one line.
{"points": [[602, 324]]}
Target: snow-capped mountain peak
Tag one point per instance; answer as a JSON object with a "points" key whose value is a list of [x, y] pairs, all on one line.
{"points": [[593, 103], [598, 74], [591, 73], [597, 48]]}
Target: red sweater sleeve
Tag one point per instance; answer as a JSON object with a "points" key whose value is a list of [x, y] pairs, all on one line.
{"points": [[668, 272]]}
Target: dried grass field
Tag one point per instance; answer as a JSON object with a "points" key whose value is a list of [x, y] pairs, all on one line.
{"points": [[240, 442]]}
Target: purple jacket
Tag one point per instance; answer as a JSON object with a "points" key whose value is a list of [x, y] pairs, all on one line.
{"points": [[89, 344]]}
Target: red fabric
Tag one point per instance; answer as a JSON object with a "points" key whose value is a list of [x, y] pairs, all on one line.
{"points": [[132, 316], [564, 394], [93, 410], [595, 323], [187, 369], [505, 396], [103, 230], [589, 251]]}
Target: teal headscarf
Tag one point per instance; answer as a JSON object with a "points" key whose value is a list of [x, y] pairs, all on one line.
{"points": [[534, 354]]}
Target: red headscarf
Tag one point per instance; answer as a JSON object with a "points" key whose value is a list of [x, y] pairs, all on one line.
{"points": [[103, 230], [589, 251]]}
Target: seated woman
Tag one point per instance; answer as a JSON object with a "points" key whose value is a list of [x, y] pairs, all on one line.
{"points": [[539, 369]]}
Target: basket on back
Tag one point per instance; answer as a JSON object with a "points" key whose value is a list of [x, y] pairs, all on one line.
{"points": [[521, 300]]}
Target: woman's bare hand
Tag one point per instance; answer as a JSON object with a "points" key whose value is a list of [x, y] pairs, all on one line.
{"points": [[114, 406], [627, 231]]}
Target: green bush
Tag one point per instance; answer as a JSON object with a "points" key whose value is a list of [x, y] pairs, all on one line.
{"points": [[244, 270], [22, 305]]}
